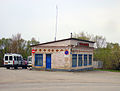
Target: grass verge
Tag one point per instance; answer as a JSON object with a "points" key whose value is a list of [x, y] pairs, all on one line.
{"points": [[110, 70]]}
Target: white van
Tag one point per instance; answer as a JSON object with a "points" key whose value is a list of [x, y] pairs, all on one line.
{"points": [[29, 61], [12, 60]]}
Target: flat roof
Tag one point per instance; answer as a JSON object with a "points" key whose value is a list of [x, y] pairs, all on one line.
{"points": [[64, 40]]}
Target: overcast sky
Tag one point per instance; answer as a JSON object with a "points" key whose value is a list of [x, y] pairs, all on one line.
{"points": [[36, 18]]}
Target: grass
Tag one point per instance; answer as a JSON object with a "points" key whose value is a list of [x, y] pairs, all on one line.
{"points": [[110, 70]]}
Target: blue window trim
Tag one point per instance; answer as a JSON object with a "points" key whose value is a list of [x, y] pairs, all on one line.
{"points": [[75, 60], [85, 60], [90, 59], [80, 60], [35, 59]]}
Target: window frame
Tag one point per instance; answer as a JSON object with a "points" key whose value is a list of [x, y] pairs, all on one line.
{"points": [[80, 60], [90, 59], [75, 60], [36, 58], [85, 59]]}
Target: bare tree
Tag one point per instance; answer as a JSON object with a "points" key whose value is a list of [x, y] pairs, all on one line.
{"points": [[16, 43], [100, 41]]}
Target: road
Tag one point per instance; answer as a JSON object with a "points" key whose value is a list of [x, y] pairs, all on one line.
{"points": [[29, 80]]}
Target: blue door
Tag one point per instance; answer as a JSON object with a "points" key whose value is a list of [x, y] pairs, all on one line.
{"points": [[48, 61]]}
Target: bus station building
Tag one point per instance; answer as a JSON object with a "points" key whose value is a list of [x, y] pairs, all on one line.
{"points": [[63, 55]]}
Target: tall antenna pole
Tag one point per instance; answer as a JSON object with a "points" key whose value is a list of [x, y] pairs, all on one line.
{"points": [[56, 21]]}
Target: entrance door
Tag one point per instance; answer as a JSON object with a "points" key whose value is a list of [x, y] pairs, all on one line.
{"points": [[48, 61]]}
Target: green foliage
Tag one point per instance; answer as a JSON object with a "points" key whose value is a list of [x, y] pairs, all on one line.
{"points": [[110, 70], [109, 53], [82, 35]]}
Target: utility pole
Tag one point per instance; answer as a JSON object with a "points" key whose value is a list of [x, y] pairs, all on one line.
{"points": [[70, 35], [56, 21]]}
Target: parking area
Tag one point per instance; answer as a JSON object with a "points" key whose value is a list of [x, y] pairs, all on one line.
{"points": [[31, 80]]}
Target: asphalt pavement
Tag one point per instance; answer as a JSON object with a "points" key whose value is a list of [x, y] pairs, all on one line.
{"points": [[29, 80]]}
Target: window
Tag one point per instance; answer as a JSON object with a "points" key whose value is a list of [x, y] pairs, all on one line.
{"points": [[20, 58], [38, 59], [85, 59], [10, 57], [15, 58], [6, 57], [90, 59], [74, 60], [79, 59], [30, 59]]}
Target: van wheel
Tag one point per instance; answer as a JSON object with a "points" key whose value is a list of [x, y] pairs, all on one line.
{"points": [[15, 67], [8, 67]]}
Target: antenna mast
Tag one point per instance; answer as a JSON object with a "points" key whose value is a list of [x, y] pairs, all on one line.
{"points": [[56, 21]]}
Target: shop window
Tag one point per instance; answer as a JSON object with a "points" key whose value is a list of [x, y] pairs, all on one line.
{"points": [[85, 59], [74, 60], [90, 59], [79, 59], [38, 59]]}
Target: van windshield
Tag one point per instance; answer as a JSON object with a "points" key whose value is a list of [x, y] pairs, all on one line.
{"points": [[6, 57], [30, 59], [19, 58]]}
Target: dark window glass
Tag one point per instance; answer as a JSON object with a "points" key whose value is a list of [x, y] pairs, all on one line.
{"points": [[90, 59], [74, 60], [85, 59], [6, 57], [30, 59], [10, 57], [15, 58], [79, 59], [38, 59], [19, 58]]}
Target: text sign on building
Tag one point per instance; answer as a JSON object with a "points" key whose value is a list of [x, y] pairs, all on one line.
{"points": [[83, 44]]}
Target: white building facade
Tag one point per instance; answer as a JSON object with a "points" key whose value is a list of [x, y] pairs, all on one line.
{"points": [[63, 55]]}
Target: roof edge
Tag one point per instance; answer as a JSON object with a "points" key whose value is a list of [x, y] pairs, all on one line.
{"points": [[63, 40]]}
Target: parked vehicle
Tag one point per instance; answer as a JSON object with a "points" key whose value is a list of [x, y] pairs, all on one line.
{"points": [[29, 61], [24, 63], [12, 60]]}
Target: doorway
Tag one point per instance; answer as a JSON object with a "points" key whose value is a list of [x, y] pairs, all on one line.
{"points": [[48, 61]]}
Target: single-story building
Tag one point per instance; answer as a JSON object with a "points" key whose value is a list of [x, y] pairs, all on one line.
{"points": [[65, 55]]}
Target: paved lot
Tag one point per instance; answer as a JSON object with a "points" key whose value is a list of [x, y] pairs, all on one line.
{"points": [[28, 80]]}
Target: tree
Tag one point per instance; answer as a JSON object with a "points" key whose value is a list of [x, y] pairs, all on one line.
{"points": [[33, 41], [83, 36], [16, 45], [109, 53], [4, 48], [100, 41]]}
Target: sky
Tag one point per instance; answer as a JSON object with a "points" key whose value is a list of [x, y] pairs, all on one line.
{"points": [[37, 18]]}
